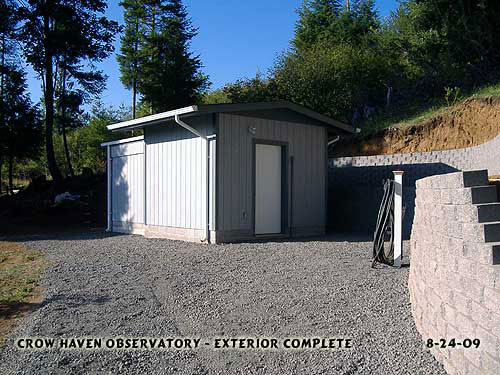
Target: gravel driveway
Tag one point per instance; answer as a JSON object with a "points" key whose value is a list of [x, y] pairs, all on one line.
{"points": [[101, 285]]}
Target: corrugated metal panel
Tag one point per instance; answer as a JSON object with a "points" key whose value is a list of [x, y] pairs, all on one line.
{"points": [[176, 174], [127, 194], [306, 144]]}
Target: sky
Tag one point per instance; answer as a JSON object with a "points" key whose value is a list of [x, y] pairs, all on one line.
{"points": [[236, 39]]}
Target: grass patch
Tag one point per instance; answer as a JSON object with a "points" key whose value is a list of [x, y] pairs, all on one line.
{"points": [[20, 271], [492, 90], [403, 116]]}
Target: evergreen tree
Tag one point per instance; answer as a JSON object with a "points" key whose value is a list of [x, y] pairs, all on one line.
{"points": [[65, 35], [316, 18], [131, 58], [327, 22], [68, 115], [171, 76], [7, 34], [366, 19], [22, 133], [19, 126]]}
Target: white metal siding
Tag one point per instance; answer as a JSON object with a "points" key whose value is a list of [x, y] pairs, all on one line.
{"points": [[125, 149], [127, 193], [176, 174]]}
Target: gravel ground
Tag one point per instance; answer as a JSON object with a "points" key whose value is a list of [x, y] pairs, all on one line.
{"points": [[101, 285]]}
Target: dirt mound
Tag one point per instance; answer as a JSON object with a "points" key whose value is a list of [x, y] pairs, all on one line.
{"points": [[471, 123]]}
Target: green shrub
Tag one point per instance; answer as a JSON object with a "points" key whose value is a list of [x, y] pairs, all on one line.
{"points": [[332, 80]]}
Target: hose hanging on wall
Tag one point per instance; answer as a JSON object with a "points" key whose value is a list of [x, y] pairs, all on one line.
{"points": [[385, 227]]}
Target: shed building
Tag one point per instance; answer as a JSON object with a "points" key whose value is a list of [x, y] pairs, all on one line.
{"points": [[222, 173]]}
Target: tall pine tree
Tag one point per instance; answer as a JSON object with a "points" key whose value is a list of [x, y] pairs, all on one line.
{"points": [[7, 48], [316, 18], [331, 23], [366, 20], [70, 35], [23, 134], [69, 113], [20, 131], [170, 76], [131, 57], [8, 22]]}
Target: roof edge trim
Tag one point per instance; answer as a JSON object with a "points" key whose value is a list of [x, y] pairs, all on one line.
{"points": [[122, 141], [152, 118], [231, 107]]}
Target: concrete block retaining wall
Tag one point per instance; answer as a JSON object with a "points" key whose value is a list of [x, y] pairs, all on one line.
{"points": [[454, 279], [355, 183]]}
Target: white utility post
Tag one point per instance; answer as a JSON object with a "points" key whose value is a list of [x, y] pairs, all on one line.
{"points": [[398, 217]]}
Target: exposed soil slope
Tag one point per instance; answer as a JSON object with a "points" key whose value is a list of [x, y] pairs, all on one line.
{"points": [[470, 123]]}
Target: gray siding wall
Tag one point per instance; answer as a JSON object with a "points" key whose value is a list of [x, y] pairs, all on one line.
{"points": [[176, 174], [306, 143], [127, 189]]}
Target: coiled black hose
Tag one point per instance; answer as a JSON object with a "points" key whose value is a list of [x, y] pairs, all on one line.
{"points": [[385, 226]]}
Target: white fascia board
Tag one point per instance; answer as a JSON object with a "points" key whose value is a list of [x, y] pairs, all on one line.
{"points": [[159, 116], [121, 141]]}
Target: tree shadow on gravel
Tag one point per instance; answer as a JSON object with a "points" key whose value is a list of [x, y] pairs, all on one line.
{"points": [[101, 234], [76, 299], [11, 313], [63, 236]]}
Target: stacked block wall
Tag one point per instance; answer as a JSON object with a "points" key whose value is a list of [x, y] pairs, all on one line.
{"points": [[454, 277], [355, 183]]}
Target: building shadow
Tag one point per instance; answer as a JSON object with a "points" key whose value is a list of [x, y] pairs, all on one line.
{"points": [[355, 194]]}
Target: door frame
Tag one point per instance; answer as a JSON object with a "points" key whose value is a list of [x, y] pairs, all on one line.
{"points": [[285, 229]]}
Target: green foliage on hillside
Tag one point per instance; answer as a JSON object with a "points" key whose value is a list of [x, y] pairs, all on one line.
{"points": [[333, 80], [350, 64]]}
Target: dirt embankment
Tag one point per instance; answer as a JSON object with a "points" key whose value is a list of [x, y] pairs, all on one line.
{"points": [[471, 123]]}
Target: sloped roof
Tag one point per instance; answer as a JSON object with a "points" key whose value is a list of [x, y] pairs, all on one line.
{"points": [[227, 108]]}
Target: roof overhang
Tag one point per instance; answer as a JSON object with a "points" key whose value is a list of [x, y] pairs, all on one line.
{"points": [[226, 108], [122, 141]]}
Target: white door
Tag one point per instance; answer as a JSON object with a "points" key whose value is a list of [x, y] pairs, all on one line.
{"points": [[267, 189]]}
